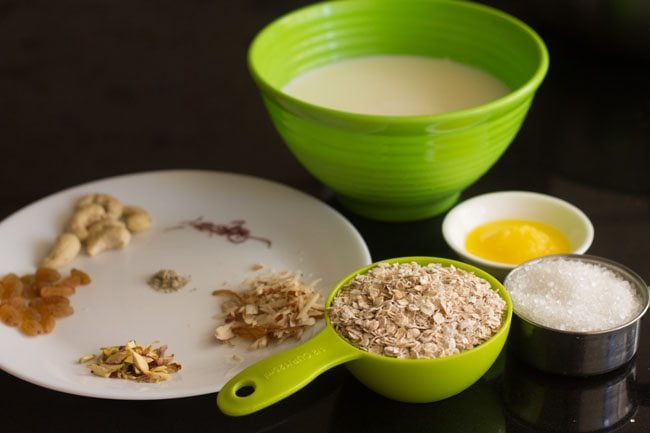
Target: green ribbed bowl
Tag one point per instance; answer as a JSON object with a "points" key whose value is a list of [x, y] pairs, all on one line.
{"points": [[398, 168]]}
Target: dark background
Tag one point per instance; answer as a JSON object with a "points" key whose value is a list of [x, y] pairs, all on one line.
{"points": [[95, 88]]}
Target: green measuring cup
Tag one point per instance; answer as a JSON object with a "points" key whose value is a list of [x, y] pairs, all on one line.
{"points": [[408, 380]]}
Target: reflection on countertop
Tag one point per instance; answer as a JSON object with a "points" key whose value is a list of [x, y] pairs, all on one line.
{"points": [[569, 404]]}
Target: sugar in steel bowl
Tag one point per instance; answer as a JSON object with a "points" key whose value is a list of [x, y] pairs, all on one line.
{"points": [[576, 315], [402, 379], [398, 167]]}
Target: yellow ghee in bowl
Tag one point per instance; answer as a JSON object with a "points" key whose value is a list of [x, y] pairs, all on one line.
{"points": [[514, 241]]}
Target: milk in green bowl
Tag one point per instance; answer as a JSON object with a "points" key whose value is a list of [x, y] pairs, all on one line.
{"points": [[396, 167], [397, 85]]}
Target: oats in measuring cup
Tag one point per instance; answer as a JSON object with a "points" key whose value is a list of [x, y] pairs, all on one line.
{"points": [[405, 310]]}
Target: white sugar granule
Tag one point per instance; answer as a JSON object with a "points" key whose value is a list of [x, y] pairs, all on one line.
{"points": [[573, 295]]}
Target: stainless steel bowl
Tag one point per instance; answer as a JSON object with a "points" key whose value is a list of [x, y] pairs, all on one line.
{"points": [[578, 353]]}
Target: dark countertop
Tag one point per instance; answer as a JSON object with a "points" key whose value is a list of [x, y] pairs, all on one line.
{"points": [[94, 89]]}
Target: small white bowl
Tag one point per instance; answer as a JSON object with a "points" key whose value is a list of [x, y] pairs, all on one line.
{"points": [[467, 215]]}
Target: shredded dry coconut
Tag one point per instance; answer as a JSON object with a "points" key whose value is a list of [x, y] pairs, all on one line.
{"points": [[573, 295], [269, 309], [411, 311]]}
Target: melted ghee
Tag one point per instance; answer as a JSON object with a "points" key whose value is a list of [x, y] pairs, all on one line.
{"points": [[514, 241]]}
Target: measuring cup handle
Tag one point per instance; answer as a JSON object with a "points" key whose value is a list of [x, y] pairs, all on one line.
{"points": [[280, 375]]}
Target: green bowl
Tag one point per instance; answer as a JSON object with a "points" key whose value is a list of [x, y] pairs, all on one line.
{"points": [[398, 168], [407, 380]]}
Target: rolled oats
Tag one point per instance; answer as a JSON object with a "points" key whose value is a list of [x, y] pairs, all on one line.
{"points": [[411, 311]]}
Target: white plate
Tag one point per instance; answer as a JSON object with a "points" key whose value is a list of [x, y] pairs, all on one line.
{"points": [[306, 235]]}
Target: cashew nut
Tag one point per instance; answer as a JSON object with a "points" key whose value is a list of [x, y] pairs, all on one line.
{"points": [[65, 249], [96, 228], [84, 217], [137, 219], [111, 205], [105, 235]]}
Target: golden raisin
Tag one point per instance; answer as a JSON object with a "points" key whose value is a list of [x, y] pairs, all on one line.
{"points": [[40, 306], [50, 300], [17, 302], [57, 291], [13, 287], [84, 278], [71, 281], [10, 279], [30, 313], [47, 275], [60, 310], [28, 279], [57, 306], [31, 290], [48, 322], [33, 302], [10, 315], [31, 327]]}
